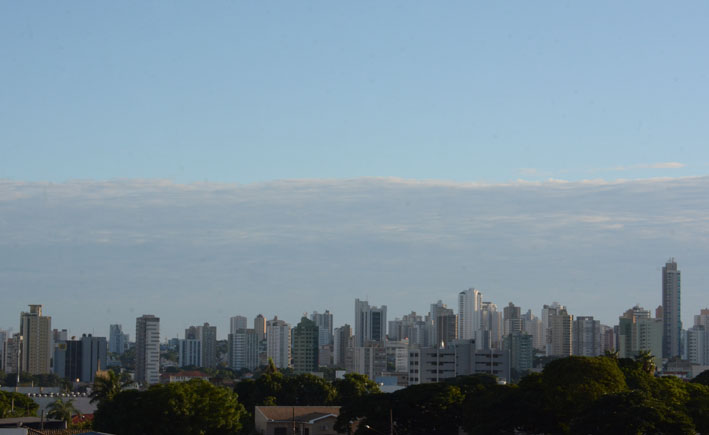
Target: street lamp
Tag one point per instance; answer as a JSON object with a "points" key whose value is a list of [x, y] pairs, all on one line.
{"points": [[366, 426], [19, 358]]}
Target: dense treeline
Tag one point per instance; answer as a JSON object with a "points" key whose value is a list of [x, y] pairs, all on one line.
{"points": [[581, 395], [597, 395]]}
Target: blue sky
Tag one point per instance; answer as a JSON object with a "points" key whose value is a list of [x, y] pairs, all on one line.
{"points": [[246, 91], [245, 94]]}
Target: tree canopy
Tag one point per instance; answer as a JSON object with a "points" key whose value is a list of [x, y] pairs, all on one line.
{"points": [[193, 407]]}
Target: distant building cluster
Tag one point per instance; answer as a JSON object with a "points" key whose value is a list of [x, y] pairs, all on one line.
{"points": [[478, 337]]}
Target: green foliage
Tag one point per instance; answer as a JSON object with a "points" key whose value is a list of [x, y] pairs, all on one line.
{"points": [[106, 387], [702, 378], [24, 406], [419, 409], [194, 407], [352, 387], [45, 380], [571, 384], [632, 412], [62, 410]]}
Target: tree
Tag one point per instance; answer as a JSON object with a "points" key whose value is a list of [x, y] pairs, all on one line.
{"points": [[106, 387], [702, 378], [352, 387], [23, 405], [647, 361], [181, 408], [632, 412], [571, 384], [62, 410], [305, 390]]}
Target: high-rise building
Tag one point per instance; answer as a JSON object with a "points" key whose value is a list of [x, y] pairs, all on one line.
{"points": [[587, 336], [243, 347], [533, 326], [469, 317], [3, 338], [608, 339], [278, 342], [342, 340], [260, 327], [560, 333], [446, 326], [370, 323], [94, 351], [521, 351], [81, 359], [147, 349], [638, 332], [193, 333], [208, 336], [305, 346], [698, 339], [547, 311], [11, 353], [671, 310], [118, 341], [237, 322], [490, 333], [189, 351], [36, 330], [325, 326], [512, 317]]}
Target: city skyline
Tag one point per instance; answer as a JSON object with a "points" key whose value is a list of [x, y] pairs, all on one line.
{"points": [[363, 323]]}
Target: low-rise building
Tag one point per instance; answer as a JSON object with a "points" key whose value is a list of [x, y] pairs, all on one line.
{"points": [[286, 420]]}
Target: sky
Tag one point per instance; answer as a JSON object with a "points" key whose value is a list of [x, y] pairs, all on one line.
{"points": [[123, 123]]}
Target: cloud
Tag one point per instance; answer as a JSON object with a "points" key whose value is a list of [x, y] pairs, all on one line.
{"points": [[291, 246], [661, 165]]}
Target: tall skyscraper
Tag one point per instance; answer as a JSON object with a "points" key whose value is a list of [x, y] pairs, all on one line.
{"points": [[147, 349], [36, 341], [11, 353], [491, 327], [243, 347], [324, 324], [342, 339], [94, 351], [513, 319], [118, 341], [189, 352], [260, 327], [237, 322], [560, 333], [3, 338], [698, 339], [587, 336], [469, 317], [671, 305], [446, 326], [370, 323], [208, 336], [278, 342], [305, 346]]}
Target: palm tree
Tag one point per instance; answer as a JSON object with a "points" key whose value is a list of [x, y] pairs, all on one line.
{"points": [[62, 410], [106, 386], [647, 360], [612, 353]]}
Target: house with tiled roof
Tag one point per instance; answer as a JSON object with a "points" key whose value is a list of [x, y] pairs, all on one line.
{"points": [[183, 376], [301, 420]]}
